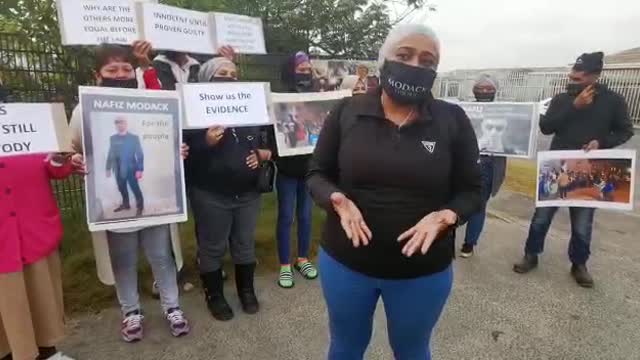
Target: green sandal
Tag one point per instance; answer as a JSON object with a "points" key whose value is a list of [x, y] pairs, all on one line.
{"points": [[307, 269], [285, 280]]}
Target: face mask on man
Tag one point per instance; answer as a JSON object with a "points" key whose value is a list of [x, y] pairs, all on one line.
{"points": [[485, 97], [407, 84], [304, 82], [574, 89], [118, 83]]}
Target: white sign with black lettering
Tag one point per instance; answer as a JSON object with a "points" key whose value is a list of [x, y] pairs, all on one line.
{"points": [[92, 22], [172, 28], [226, 104], [33, 129], [245, 34]]}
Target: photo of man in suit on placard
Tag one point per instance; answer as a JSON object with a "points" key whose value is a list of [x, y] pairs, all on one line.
{"points": [[126, 159]]}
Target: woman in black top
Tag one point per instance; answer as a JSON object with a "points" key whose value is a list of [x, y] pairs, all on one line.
{"points": [[223, 173], [396, 171]]}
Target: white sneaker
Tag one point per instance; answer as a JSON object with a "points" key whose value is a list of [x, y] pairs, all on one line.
{"points": [[60, 356]]}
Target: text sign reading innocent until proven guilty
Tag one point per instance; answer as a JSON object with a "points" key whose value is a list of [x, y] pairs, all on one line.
{"points": [[92, 22], [33, 129], [226, 104]]}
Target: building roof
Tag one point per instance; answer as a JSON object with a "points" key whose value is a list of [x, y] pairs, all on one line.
{"points": [[631, 56]]}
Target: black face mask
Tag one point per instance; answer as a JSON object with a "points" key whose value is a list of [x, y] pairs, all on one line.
{"points": [[575, 89], [407, 84], [304, 82], [222, 79], [485, 97], [116, 83]]}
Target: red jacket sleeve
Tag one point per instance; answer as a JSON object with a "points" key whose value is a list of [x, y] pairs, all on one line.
{"points": [[59, 171], [151, 81]]}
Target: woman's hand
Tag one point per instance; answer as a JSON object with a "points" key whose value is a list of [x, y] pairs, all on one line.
{"points": [[79, 166], [60, 158], [184, 151], [228, 52], [425, 232], [141, 50], [252, 161], [351, 220], [214, 135]]}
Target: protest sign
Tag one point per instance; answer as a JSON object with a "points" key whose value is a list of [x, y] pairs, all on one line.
{"points": [[226, 104], [132, 142], [172, 28], [300, 117], [503, 128], [243, 33], [33, 129], [596, 179], [92, 22]]}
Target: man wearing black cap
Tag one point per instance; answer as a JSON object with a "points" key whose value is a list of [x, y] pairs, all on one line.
{"points": [[587, 116]]}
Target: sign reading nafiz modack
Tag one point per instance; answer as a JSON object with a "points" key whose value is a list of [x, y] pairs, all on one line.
{"points": [[32, 129]]}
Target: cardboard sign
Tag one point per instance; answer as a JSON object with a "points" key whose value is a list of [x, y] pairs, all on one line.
{"points": [[245, 34], [33, 129], [131, 141], [226, 104], [92, 22], [172, 28]]}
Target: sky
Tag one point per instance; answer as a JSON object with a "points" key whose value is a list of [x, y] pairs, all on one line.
{"points": [[529, 33]]}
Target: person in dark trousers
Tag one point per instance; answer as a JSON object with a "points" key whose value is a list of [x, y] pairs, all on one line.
{"points": [[392, 207], [587, 116], [225, 200], [294, 200], [493, 170], [126, 160]]}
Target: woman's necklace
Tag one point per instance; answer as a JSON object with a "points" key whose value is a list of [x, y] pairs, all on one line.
{"points": [[407, 118]]}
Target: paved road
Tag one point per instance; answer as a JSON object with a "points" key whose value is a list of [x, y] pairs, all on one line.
{"points": [[493, 314]]}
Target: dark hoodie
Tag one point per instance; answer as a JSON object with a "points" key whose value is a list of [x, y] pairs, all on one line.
{"points": [[292, 166]]}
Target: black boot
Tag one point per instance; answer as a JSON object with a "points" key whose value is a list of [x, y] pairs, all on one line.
{"points": [[581, 276], [213, 286], [528, 263], [246, 292]]}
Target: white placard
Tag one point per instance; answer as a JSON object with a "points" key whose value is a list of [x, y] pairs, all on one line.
{"points": [[33, 129], [131, 140], [597, 179], [244, 33], [92, 22], [172, 28], [226, 104]]}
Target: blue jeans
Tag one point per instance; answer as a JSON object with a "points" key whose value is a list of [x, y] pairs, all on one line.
{"points": [[412, 306], [293, 195], [581, 228], [475, 224]]}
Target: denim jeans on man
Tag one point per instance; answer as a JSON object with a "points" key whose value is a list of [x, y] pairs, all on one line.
{"points": [[475, 224], [293, 196], [581, 228]]}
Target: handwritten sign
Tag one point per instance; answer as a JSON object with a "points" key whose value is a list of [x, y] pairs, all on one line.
{"points": [[226, 104], [243, 33], [33, 129], [172, 28], [92, 22]]}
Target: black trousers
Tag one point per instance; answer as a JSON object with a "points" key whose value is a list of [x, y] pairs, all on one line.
{"points": [[124, 182]]}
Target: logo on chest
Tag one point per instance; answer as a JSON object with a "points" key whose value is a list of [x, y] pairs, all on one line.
{"points": [[430, 146]]}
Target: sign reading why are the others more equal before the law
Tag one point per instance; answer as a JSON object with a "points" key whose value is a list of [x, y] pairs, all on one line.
{"points": [[33, 129], [226, 104]]}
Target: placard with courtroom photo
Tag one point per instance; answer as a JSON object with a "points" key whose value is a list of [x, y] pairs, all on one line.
{"points": [[597, 179], [299, 119], [504, 129], [132, 144]]}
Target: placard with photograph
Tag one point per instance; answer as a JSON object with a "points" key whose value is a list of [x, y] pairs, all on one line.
{"points": [[131, 146], [596, 179], [228, 104], [300, 117], [244, 33], [504, 128], [93, 22], [329, 74], [33, 128]]}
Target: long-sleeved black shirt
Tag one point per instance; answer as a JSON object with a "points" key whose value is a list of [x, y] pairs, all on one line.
{"points": [[606, 120], [395, 176]]}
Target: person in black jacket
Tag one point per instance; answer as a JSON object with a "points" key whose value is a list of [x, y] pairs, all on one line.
{"points": [[587, 116], [293, 195], [225, 200], [396, 171]]}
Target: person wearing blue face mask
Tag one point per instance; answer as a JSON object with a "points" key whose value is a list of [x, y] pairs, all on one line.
{"points": [[396, 171]]}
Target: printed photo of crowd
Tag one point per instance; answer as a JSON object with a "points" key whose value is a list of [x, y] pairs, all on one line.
{"points": [[606, 180]]}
